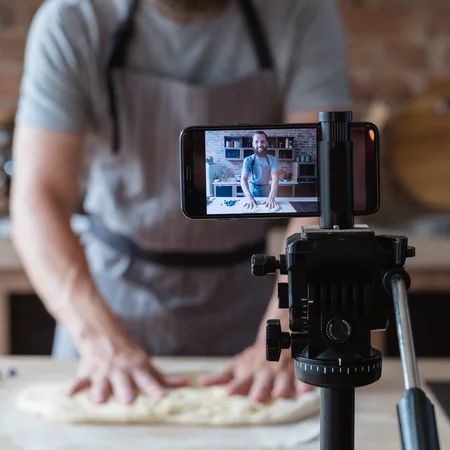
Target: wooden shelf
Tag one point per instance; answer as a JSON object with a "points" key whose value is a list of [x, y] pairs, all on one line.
{"points": [[237, 148]]}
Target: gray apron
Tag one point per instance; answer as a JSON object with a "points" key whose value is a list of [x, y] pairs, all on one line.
{"points": [[182, 287], [260, 178]]}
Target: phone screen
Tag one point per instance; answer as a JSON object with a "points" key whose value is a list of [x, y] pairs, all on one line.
{"points": [[268, 171]]}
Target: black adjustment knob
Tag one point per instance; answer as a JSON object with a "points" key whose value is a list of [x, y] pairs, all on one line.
{"points": [[283, 295], [283, 265], [410, 252], [338, 330], [400, 244], [275, 340], [263, 264]]}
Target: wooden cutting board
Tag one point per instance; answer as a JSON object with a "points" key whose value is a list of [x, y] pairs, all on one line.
{"points": [[420, 150]]}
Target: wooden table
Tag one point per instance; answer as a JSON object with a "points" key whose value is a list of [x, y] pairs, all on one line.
{"points": [[375, 420]]}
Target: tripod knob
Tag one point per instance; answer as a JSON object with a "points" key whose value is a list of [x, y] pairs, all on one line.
{"points": [[402, 250], [275, 340], [263, 264], [338, 330], [283, 295], [283, 265]]}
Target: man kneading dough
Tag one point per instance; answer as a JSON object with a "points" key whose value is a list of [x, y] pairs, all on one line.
{"points": [[107, 88]]}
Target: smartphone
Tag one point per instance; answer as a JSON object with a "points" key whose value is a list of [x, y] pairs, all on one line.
{"points": [[222, 165]]}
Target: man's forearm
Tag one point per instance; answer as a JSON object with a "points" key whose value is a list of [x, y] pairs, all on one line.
{"points": [[274, 187], [273, 312], [57, 268], [245, 188]]}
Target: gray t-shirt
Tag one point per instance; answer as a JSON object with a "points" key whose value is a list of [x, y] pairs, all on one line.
{"points": [[65, 63]]}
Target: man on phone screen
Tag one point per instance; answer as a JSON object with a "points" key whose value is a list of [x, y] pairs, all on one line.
{"points": [[258, 171]]}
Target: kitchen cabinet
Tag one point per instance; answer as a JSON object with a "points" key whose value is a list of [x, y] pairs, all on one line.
{"points": [[224, 191], [306, 189]]}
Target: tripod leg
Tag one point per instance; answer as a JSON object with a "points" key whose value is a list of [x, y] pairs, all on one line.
{"points": [[404, 333], [337, 418], [415, 411]]}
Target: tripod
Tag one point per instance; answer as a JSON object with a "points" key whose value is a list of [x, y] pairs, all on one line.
{"points": [[343, 281]]}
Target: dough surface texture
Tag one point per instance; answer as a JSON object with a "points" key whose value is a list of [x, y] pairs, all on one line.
{"points": [[191, 405]]}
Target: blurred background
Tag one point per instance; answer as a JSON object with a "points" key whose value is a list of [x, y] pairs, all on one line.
{"points": [[399, 56]]}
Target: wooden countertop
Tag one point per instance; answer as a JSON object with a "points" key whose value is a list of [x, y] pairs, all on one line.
{"points": [[376, 423]]}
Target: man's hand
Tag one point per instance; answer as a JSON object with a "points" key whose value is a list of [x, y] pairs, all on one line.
{"points": [[270, 203], [120, 369], [250, 203], [249, 373]]}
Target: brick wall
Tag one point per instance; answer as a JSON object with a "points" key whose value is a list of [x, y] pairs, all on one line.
{"points": [[304, 143], [15, 19], [397, 47]]}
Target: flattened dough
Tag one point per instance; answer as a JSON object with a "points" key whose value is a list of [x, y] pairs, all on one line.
{"points": [[183, 406], [259, 209]]}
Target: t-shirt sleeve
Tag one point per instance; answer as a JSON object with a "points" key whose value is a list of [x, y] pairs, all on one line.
{"points": [[319, 69], [274, 163], [54, 86], [246, 165]]}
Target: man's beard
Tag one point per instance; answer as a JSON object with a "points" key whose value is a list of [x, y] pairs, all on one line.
{"points": [[261, 153], [192, 6]]}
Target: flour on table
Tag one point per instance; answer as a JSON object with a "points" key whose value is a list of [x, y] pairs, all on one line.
{"points": [[190, 405]]}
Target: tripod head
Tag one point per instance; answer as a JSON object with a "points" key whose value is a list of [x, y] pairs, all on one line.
{"points": [[341, 279], [338, 292]]}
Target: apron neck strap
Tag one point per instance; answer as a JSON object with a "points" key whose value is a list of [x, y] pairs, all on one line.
{"points": [[257, 34], [122, 37], [120, 42]]}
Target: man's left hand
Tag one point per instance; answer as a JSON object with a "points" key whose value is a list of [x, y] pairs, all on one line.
{"points": [[270, 203], [249, 373]]}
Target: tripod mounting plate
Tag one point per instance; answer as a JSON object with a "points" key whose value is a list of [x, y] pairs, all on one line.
{"points": [[315, 232]]}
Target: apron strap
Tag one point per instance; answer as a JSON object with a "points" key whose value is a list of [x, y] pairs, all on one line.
{"points": [[120, 42], [257, 34], [205, 260]]}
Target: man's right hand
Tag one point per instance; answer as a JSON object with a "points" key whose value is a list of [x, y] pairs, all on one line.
{"points": [[45, 188], [250, 203], [119, 368]]}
